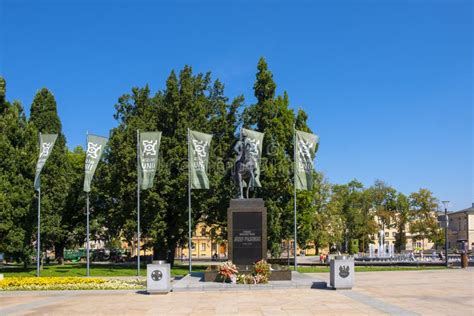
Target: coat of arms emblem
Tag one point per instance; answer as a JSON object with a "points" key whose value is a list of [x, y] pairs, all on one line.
{"points": [[344, 271]]}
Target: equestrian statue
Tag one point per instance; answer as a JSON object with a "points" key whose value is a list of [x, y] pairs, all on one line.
{"points": [[246, 164]]}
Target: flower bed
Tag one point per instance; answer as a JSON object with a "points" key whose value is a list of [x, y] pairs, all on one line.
{"points": [[67, 283]]}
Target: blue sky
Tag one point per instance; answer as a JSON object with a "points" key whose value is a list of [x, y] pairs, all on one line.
{"points": [[387, 84]]}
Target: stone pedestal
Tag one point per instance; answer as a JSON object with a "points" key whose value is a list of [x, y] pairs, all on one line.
{"points": [[247, 231], [158, 278], [342, 273]]}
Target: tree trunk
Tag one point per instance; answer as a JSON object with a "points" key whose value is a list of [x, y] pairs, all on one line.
{"points": [[25, 264], [59, 252], [171, 254]]}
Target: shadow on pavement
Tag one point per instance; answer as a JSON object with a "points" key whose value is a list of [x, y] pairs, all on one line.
{"points": [[142, 292], [320, 286]]}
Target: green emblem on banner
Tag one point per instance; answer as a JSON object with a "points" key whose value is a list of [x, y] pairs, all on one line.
{"points": [[46, 147], [306, 147], [95, 148], [198, 148], [149, 149]]}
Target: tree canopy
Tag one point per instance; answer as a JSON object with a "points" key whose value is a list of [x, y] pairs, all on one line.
{"points": [[329, 215]]}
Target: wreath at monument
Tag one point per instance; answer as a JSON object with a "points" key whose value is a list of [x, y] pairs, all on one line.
{"points": [[228, 272], [260, 274]]}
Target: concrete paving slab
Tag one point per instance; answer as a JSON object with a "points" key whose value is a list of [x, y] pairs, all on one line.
{"points": [[435, 292]]}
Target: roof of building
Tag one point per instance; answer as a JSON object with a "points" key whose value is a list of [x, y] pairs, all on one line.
{"points": [[469, 210]]}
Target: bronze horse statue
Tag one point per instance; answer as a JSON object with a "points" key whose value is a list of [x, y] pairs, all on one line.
{"points": [[246, 164]]}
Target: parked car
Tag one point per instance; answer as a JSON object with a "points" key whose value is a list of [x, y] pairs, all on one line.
{"points": [[100, 255], [119, 255]]}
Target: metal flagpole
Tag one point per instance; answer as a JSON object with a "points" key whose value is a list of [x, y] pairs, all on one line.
{"points": [[87, 229], [288, 249], [294, 187], [138, 202], [87, 237], [38, 239], [189, 208]]}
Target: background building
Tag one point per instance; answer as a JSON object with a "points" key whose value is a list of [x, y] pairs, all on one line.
{"points": [[413, 243], [461, 228], [206, 242]]}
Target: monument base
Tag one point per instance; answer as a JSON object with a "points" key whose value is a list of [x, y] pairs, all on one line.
{"points": [[247, 239], [247, 231]]}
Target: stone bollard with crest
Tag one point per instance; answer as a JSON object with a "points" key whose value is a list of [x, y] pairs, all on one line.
{"points": [[342, 274], [158, 280]]}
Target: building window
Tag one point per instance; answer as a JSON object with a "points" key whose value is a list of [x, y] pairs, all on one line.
{"points": [[386, 234], [418, 244], [203, 247], [394, 234], [193, 246], [203, 231]]}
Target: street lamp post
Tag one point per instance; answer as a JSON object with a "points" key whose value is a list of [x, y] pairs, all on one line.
{"points": [[445, 204]]}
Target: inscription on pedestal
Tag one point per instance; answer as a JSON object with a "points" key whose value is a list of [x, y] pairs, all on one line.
{"points": [[247, 233], [247, 239]]}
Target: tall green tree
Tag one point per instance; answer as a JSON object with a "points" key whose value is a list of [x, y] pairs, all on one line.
{"points": [[223, 121], [424, 223], [18, 140], [189, 101], [73, 215], [273, 116], [55, 177], [321, 221], [354, 203], [3, 86], [383, 199], [184, 107], [401, 221]]}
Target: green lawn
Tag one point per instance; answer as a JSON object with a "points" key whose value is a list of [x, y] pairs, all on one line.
{"points": [[369, 269], [109, 270], [79, 269]]}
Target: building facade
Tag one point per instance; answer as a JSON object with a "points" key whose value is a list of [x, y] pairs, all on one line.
{"points": [[461, 228], [205, 244], [413, 242]]}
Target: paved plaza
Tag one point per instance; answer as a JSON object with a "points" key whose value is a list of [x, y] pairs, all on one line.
{"points": [[430, 292]]}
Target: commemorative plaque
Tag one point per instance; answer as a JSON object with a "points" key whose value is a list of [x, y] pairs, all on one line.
{"points": [[247, 231]]}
